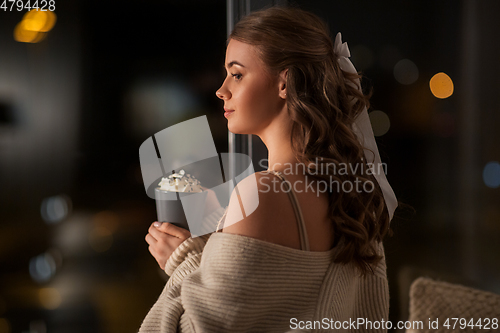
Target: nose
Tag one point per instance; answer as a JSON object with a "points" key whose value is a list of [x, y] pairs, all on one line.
{"points": [[222, 92]]}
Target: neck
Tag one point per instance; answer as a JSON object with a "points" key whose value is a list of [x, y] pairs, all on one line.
{"points": [[276, 137]]}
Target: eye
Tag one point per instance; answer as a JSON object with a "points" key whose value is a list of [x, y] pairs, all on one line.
{"points": [[237, 76]]}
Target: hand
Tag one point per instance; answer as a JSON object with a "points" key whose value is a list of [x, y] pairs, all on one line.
{"points": [[163, 239]]}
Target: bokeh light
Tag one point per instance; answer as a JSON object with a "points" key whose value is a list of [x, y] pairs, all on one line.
{"points": [[42, 267], [23, 35], [380, 122], [71, 237], [55, 209], [491, 174], [34, 26], [49, 298], [406, 72], [441, 85], [41, 21]]}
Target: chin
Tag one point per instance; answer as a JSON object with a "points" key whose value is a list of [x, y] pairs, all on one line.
{"points": [[236, 129]]}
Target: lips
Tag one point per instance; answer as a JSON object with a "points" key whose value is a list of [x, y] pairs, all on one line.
{"points": [[228, 112]]}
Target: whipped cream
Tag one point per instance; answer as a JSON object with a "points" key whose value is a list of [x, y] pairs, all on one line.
{"points": [[180, 182]]}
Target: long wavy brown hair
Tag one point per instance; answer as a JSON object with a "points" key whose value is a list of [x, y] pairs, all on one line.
{"points": [[323, 102]]}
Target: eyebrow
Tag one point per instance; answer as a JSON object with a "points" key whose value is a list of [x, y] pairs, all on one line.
{"points": [[234, 62]]}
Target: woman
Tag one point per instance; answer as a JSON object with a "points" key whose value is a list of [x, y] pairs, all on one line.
{"points": [[310, 256]]}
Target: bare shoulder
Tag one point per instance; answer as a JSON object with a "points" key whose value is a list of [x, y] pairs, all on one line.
{"points": [[271, 220]]}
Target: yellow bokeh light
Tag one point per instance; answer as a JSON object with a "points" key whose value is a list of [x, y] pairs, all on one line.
{"points": [[41, 21], [23, 35], [441, 85], [34, 26], [50, 298]]}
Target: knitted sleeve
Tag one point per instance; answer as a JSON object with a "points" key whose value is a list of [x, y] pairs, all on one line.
{"points": [[372, 302], [241, 285], [188, 253]]}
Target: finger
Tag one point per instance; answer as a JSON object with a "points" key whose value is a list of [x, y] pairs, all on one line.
{"points": [[173, 230], [150, 239], [152, 251], [158, 234], [152, 229]]}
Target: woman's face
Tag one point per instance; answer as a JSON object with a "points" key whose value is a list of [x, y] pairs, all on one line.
{"points": [[249, 90]]}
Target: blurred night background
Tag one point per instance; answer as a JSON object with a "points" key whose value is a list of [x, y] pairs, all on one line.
{"points": [[78, 99]]}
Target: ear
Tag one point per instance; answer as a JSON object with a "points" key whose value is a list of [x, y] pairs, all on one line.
{"points": [[282, 83]]}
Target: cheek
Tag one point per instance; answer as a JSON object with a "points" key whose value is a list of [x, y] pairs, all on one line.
{"points": [[247, 95], [255, 106], [257, 98]]}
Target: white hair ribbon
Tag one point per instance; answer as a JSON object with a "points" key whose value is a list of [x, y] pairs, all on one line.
{"points": [[363, 129]]}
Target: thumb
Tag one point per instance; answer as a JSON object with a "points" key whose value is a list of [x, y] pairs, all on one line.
{"points": [[171, 229]]}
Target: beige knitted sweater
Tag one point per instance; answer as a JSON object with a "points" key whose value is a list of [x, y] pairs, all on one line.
{"points": [[230, 283]]}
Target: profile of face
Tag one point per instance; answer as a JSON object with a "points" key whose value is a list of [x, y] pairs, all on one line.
{"points": [[256, 98]]}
